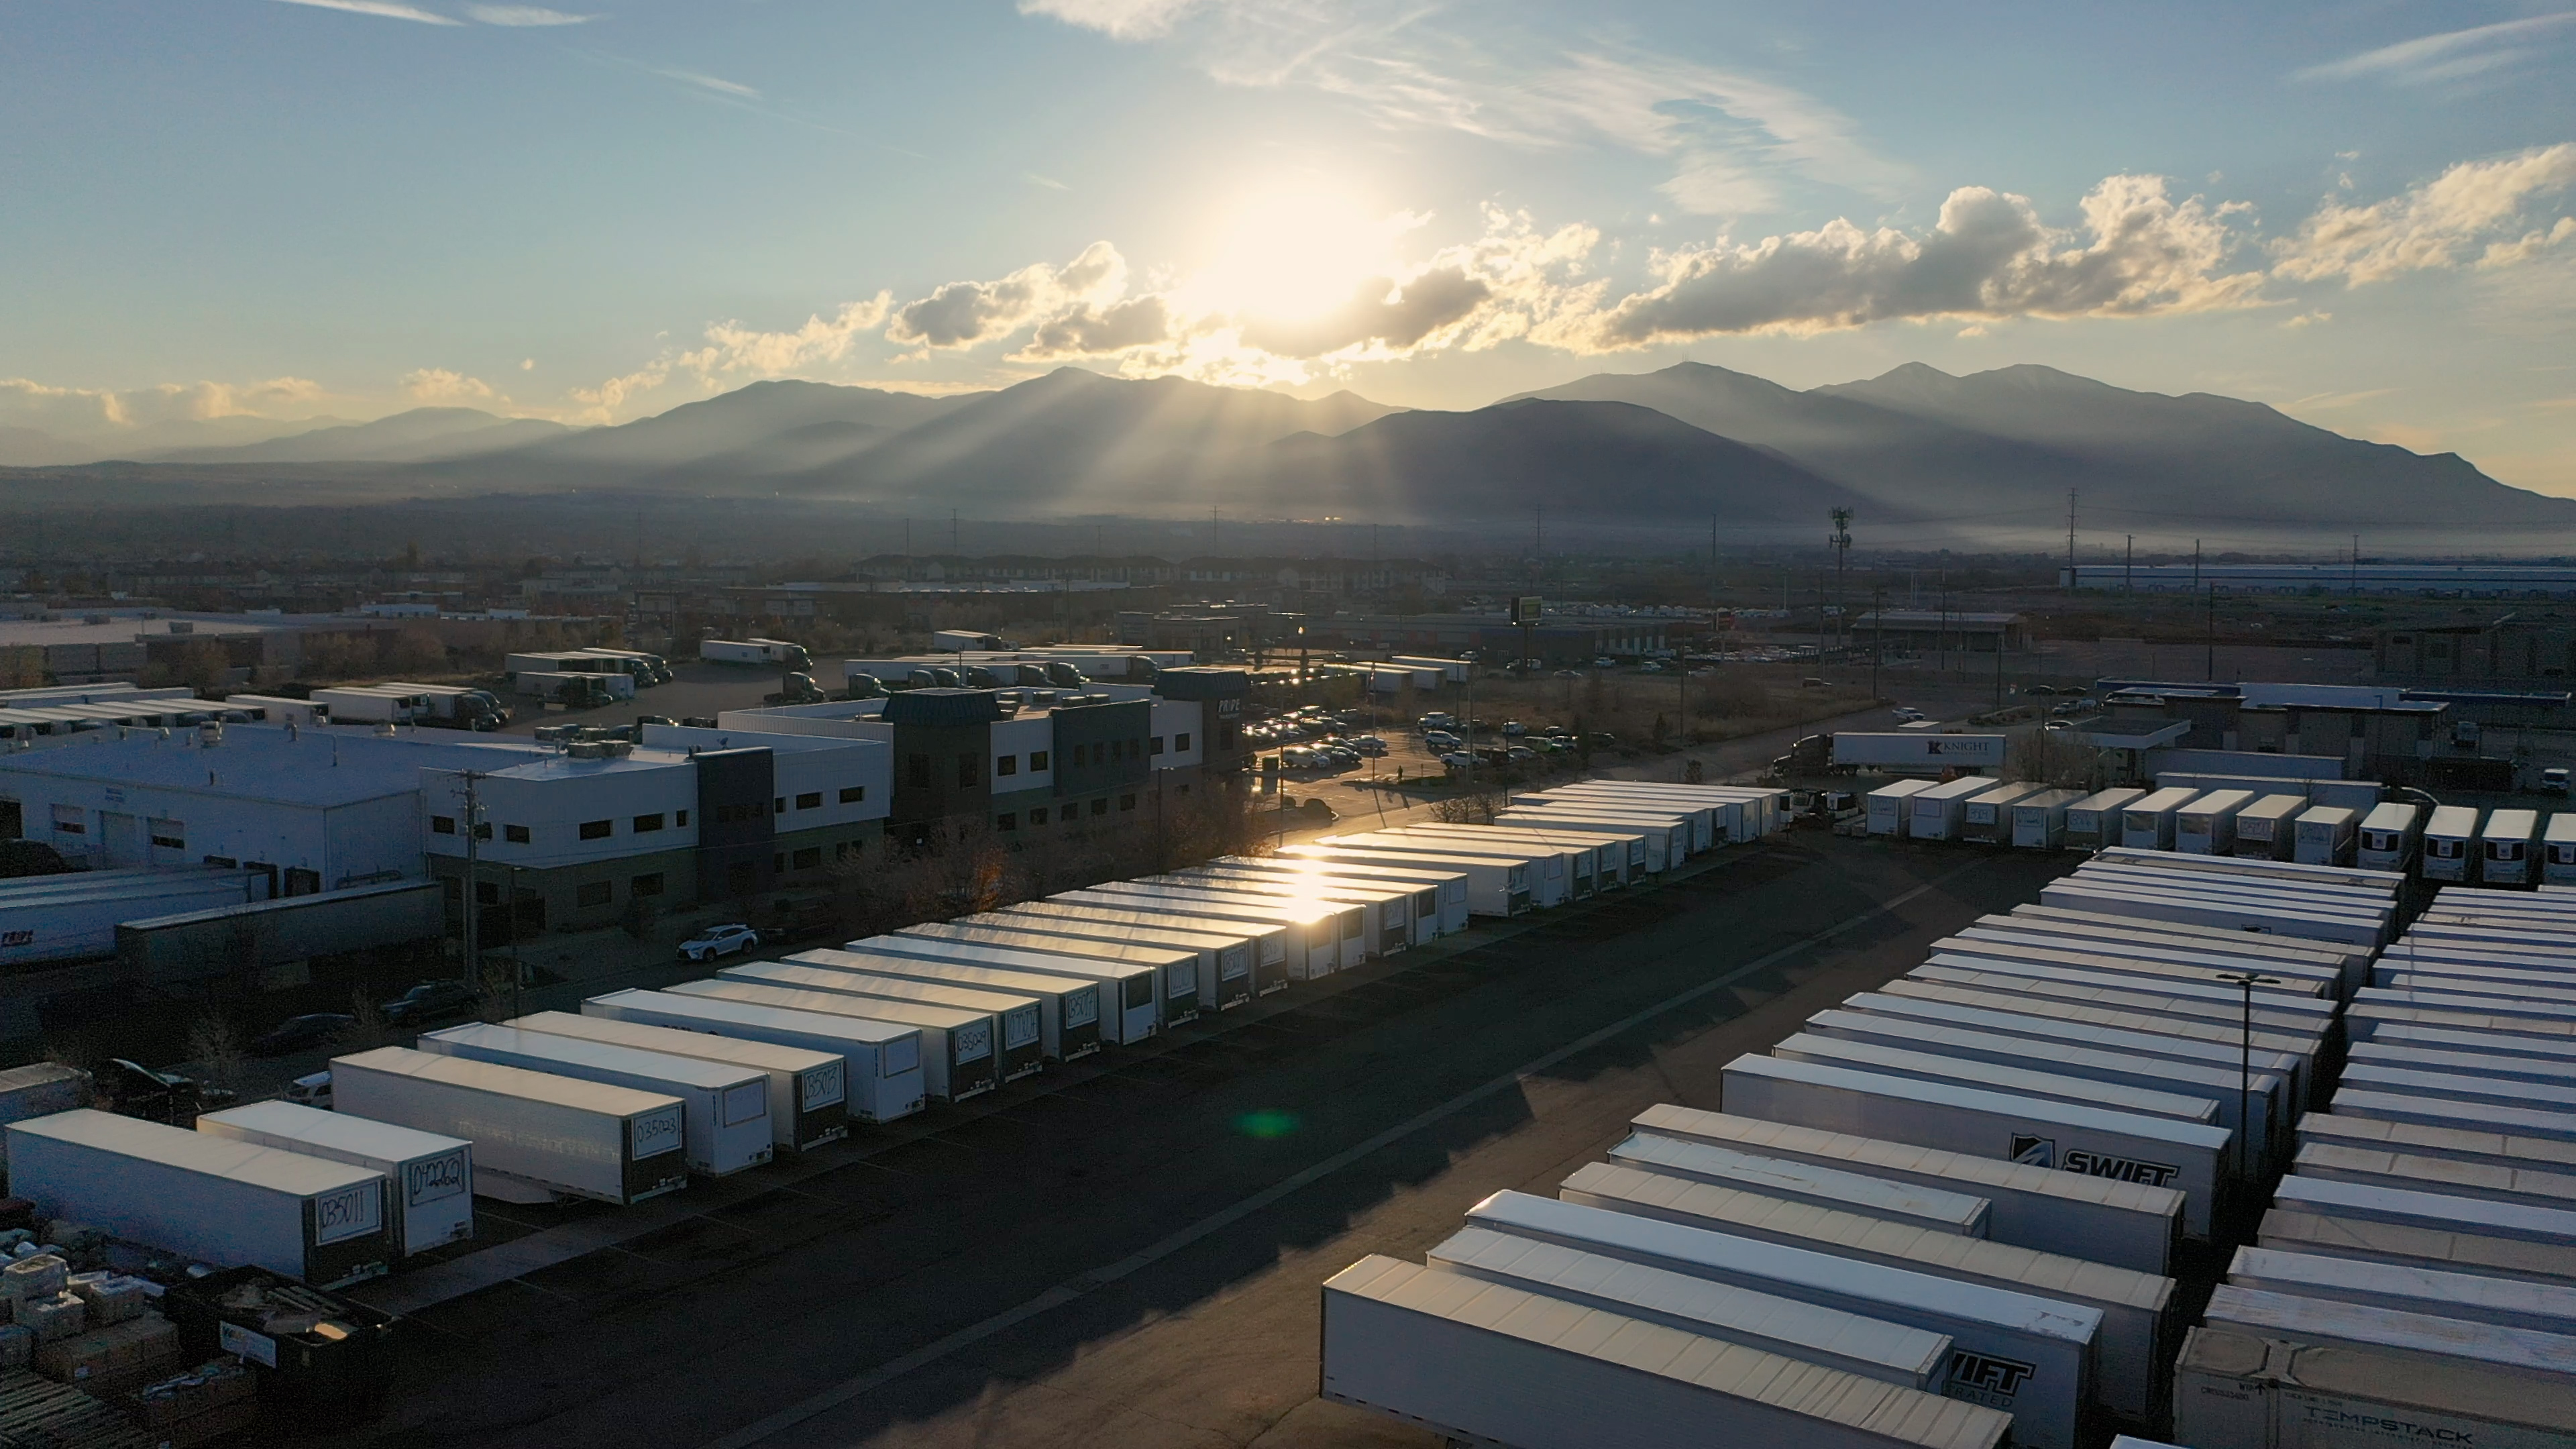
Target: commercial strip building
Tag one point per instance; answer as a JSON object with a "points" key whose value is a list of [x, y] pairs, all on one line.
{"points": [[2430, 580], [1929, 631]]}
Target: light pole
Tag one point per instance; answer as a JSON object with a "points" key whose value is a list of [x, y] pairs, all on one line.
{"points": [[1841, 541], [2245, 1068]]}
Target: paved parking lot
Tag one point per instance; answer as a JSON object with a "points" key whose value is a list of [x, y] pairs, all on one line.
{"points": [[1128, 1252]]}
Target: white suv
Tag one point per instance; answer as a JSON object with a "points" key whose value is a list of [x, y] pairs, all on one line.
{"points": [[716, 941]]}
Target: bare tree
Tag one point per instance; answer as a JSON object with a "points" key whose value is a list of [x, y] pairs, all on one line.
{"points": [[216, 1049], [2052, 757], [367, 1028]]}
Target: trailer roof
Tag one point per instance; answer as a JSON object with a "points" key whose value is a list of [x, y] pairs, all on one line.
{"points": [[722, 1008], [601, 1097], [1876, 1196], [691, 1072], [768, 1056], [2311, 1320], [271, 1168], [337, 1130], [2070, 1114]]}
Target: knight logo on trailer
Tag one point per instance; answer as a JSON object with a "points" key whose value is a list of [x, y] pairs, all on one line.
{"points": [[1986, 1378]]}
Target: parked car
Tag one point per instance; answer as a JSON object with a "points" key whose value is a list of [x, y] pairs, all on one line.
{"points": [[169, 1098], [1430, 722], [2038, 689], [1369, 745], [429, 1001], [312, 1091], [1441, 741], [1458, 759], [732, 939], [1515, 728], [298, 1032], [1569, 674], [1907, 712], [2057, 724], [1520, 754], [2553, 780], [1605, 662]]}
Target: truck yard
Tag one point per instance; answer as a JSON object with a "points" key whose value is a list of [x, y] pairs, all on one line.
{"points": [[1125, 1249]]}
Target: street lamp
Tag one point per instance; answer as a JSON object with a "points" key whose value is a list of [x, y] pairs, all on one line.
{"points": [[2245, 1067]]}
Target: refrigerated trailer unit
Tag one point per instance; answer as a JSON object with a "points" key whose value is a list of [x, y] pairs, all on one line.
{"points": [[1938, 1209], [880, 1062], [1068, 1011], [2449, 1177], [1225, 961], [1939, 811], [317, 1220], [2199, 908], [2106, 957], [1386, 913], [1130, 1004], [1440, 892], [1252, 957], [1891, 806], [1179, 972], [2132, 1350], [2144, 1011], [2207, 826], [2390, 836], [1988, 1076], [726, 1125], [2234, 1386], [2484, 1217], [1483, 1363], [535, 1134], [1686, 830], [2451, 843], [1987, 819], [2325, 835], [2296, 1318], [2094, 821], [2158, 1151], [1649, 845], [807, 1088], [2131, 1225], [2053, 1341], [2541, 1307], [2147, 823], [1320, 938], [1890, 1353], [2505, 847], [2558, 849], [1551, 871], [2039, 821], [429, 1178], [1592, 863], [1494, 887], [959, 1049], [2267, 829]]}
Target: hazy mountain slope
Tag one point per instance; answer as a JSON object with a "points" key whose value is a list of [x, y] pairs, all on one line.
{"points": [[1074, 442], [419, 435], [2166, 460], [1901, 463], [1580, 461], [745, 418], [33, 448]]}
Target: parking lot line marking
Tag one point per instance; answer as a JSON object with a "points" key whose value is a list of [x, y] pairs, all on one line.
{"points": [[1075, 1287]]}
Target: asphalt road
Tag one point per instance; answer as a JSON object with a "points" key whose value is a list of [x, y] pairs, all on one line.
{"points": [[1127, 1253]]}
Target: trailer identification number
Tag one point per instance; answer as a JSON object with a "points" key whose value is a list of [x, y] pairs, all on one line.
{"points": [[439, 1177], [349, 1212], [2037, 1151], [1987, 1378], [17, 938], [655, 1134]]}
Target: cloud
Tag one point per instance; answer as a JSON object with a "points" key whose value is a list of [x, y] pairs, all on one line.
{"points": [[2449, 56], [384, 9], [716, 84], [74, 412], [1049, 182], [1117, 19], [439, 385], [525, 15], [1988, 257], [734, 348], [603, 403], [963, 314], [2324, 400], [1732, 137], [1094, 330], [2471, 213]]}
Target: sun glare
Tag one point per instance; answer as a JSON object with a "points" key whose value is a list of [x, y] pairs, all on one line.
{"points": [[1293, 252]]}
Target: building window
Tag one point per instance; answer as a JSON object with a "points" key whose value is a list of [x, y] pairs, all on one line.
{"points": [[970, 771], [597, 829], [810, 800], [592, 893], [1181, 742], [848, 848], [647, 823], [681, 819], [1080, 754], [70, 820], [1006, 821], [850, 794], [1100, 806], [169, 834], [453, 888], [1126, 802], [1037, 762], [810, 857], [1154, 746], [442, 825], [645, 885], [487, 892], [1006, 765], [224, 861], [779, 861], [916, 770], [518, 834], [1037, 815], [781, 805]]}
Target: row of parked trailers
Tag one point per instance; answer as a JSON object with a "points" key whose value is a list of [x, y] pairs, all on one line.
{"points": [[1945, 1212], [642, 1090], [2415, 1275]]}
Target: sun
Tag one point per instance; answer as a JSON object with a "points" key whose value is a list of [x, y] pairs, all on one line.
{"points": [[1294, 251]]}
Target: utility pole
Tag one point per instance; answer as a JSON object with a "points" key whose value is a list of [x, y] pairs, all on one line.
{"points": [[953, 549], [2129, 568], [1878, 631], [1712, 560], [2356, 564], [2195, 565], [2245, 1068], [1941, 636], [473, 834], [2210, 668], [1841, 541], [2070, 540]]}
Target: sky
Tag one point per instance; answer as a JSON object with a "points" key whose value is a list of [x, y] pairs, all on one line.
{"points": [[241, 213]]}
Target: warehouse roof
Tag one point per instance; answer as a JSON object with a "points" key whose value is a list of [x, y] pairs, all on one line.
{"points": [[254, 762]]}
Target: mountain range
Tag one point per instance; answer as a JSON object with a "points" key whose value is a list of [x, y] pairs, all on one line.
{"points": [[1991, 453]]}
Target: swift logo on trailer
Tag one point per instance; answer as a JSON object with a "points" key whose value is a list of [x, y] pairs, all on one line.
{"points": [[2032, 1150], [1986, 1378]]}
